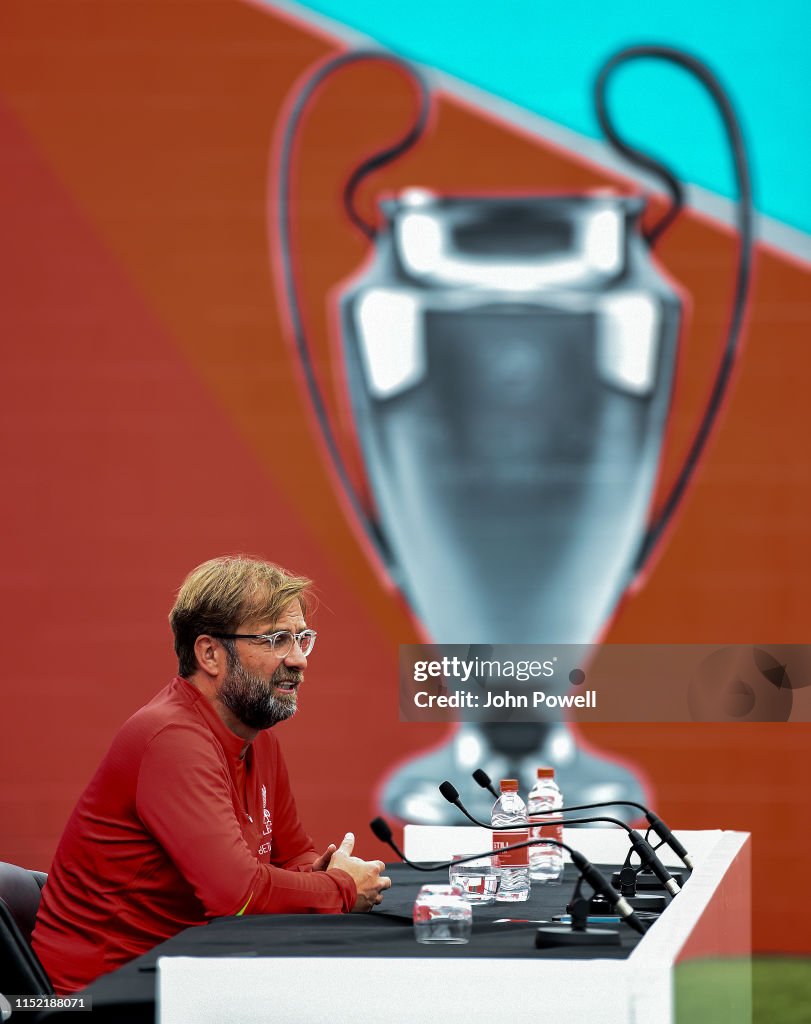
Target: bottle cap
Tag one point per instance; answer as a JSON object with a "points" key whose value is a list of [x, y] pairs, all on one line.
{"points": [[546, 773], [509, 785]]}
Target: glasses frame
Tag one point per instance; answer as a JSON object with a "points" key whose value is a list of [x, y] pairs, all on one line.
{"points": [[271, 639]]}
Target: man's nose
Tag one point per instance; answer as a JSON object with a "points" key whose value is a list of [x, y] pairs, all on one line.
{"points": [[295, 658]]}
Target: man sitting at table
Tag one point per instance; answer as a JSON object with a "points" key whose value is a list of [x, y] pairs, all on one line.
{"points": [[190, 815]]}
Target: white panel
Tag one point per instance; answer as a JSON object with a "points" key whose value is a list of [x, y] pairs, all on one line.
{"points": [[600, 845], [320, 990]]}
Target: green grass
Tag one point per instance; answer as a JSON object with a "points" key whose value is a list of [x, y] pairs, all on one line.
{"points": [[781, 990], [778, 989]]}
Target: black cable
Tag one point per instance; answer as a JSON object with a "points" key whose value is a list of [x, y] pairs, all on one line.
{"points": [[655, 822], [640, 845], [745, 226], [587, 871]]}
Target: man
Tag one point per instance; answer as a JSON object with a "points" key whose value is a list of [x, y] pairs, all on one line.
{"points": [[190, 815]]}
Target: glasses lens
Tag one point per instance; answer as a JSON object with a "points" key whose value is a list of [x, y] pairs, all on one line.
{"points": [[281, 643]]}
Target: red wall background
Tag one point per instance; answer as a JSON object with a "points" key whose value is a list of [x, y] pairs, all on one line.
{"points": [[153, 416]]}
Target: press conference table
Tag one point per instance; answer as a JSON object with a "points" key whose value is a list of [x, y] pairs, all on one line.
{"points": [[308, 969]]}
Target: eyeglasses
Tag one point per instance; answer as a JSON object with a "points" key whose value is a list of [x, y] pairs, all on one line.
{"points": [[280, 643]]}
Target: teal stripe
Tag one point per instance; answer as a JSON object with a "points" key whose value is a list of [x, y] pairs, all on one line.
{"points": [[544, 56]]}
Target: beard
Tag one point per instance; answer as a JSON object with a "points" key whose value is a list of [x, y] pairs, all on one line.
{"points": [[251, 698]]}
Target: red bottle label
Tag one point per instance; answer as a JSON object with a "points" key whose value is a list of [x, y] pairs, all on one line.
{"points": [[546, 827], [513, 858]]}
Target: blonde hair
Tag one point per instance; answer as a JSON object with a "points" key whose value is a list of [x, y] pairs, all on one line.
{"points": [[223, 592]]}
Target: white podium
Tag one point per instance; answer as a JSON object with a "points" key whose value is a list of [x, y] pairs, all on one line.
{"points": [[710, 920]]}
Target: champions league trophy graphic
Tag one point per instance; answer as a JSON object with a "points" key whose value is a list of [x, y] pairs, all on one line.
{"points": [[510, 363]]}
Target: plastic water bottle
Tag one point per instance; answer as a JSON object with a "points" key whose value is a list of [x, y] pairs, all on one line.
{"points": [[546, 861], [513, 867]]}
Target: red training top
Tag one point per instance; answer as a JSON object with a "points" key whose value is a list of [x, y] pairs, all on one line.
{"points": [[174, 829]]}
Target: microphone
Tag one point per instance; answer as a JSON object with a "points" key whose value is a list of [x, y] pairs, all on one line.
{"points": [[484, 780], [664, 833], [655, 822], [590, 873], [381, 829], [640, 846]]}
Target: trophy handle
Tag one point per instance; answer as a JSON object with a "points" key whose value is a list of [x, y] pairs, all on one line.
{"points": [[309, 86], [743, 273]]}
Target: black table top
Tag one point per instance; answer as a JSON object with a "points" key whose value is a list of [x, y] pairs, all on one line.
{"points": [[499, 930]]}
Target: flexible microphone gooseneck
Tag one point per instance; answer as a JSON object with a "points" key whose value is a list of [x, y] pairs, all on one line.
{"points": [[381, 829], [641, 847], [655, 822], [590, 873]]}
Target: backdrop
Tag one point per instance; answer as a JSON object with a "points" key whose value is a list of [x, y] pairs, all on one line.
{"points": [[154, 416]]}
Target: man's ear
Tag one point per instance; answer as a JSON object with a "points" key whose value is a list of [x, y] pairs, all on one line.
{"points": [[212, 657]]}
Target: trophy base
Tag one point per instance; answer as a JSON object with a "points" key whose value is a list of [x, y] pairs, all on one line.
{"points": [[411, 794]]}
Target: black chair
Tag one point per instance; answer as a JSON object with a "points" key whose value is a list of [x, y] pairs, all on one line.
{"points": [[20, 970]]}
